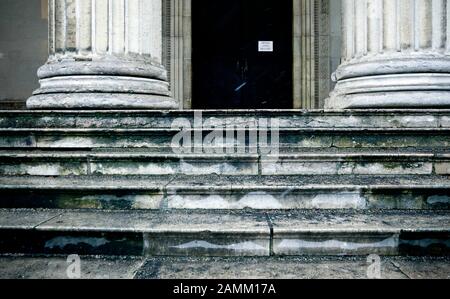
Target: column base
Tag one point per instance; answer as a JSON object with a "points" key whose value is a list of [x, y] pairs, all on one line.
{"points": [[105, 83], [101, 101], [391, 100], [413, 90]]}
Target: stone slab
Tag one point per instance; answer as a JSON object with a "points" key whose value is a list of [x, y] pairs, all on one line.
{"points": [[292, 162], [164, 233], [149, 183], [350, 232], [423, 268], [227, 233], [29, 267], [25, 219], [177, 233], [292, 268], [307, 182], [159, 222]]}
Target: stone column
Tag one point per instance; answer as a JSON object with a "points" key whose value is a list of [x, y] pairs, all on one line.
{"points": [[104, 54], [396, 54]]}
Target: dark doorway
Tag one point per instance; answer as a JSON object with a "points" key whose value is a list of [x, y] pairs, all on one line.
{"points": [[242, 54]]}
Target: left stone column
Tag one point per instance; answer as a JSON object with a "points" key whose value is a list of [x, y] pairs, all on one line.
{"points": [[104, 54]]}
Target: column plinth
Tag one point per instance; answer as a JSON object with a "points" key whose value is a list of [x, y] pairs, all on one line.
{"points": [[396, 54], [104, 54]]}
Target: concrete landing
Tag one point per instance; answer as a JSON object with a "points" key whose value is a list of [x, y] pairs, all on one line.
{"points": [[26, 267]]}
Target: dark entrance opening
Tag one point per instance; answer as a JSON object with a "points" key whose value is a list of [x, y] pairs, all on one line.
{"points": [[242, 54]]}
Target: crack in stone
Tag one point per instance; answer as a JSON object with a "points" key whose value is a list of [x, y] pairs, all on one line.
{"points": [[398, 267]]}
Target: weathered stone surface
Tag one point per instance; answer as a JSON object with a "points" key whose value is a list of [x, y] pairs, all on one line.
{"points": [[71, 242], [423, 268], [105, 100], [80, 183], [25, 219], [21, 267], [309, 233], [226, 233], [66, 199], [152, 162], [227, 192], [159, 221], [391, 59], [436, 118], [179, 233], [162, 161], [26, 267], [442, 168], [44, 169], [345, 165], [438, 138], [103, 84], [137, 233], [133, 67], [407, 199], [206, 244], [292, 268], [17, 141], [376, 221], [123, 160]]}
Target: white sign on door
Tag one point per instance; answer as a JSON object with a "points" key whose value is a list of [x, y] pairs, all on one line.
{"points": [[265, 46]]}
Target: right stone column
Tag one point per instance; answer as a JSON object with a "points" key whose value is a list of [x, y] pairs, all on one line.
{"points": [[396, 54]]}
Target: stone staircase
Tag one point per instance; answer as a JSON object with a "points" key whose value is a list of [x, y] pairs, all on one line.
{"points": [[340, 183]]}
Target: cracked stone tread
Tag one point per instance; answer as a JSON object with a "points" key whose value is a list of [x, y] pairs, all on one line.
{"points": [[230, 222], [158, 182]]}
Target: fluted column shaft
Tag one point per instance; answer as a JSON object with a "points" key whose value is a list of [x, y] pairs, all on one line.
{"points": [[104, 54], [395, 54]]}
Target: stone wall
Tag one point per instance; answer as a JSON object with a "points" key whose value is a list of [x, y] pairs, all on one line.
{"points": [[23, 47]]}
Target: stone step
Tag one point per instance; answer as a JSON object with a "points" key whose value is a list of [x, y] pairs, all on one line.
{"points": [[287, 162], [358, 137], [244, 118], [225, 233], [227, 192]]}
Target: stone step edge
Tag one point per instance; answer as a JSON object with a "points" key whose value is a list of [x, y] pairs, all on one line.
{"points": [[235, 188], [231, 113], [390, 130], [266, 217], [130, 155]]}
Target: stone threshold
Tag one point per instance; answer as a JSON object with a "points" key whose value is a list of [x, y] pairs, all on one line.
{"points": [[438, 118], [318, 267], [223, 182]]}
